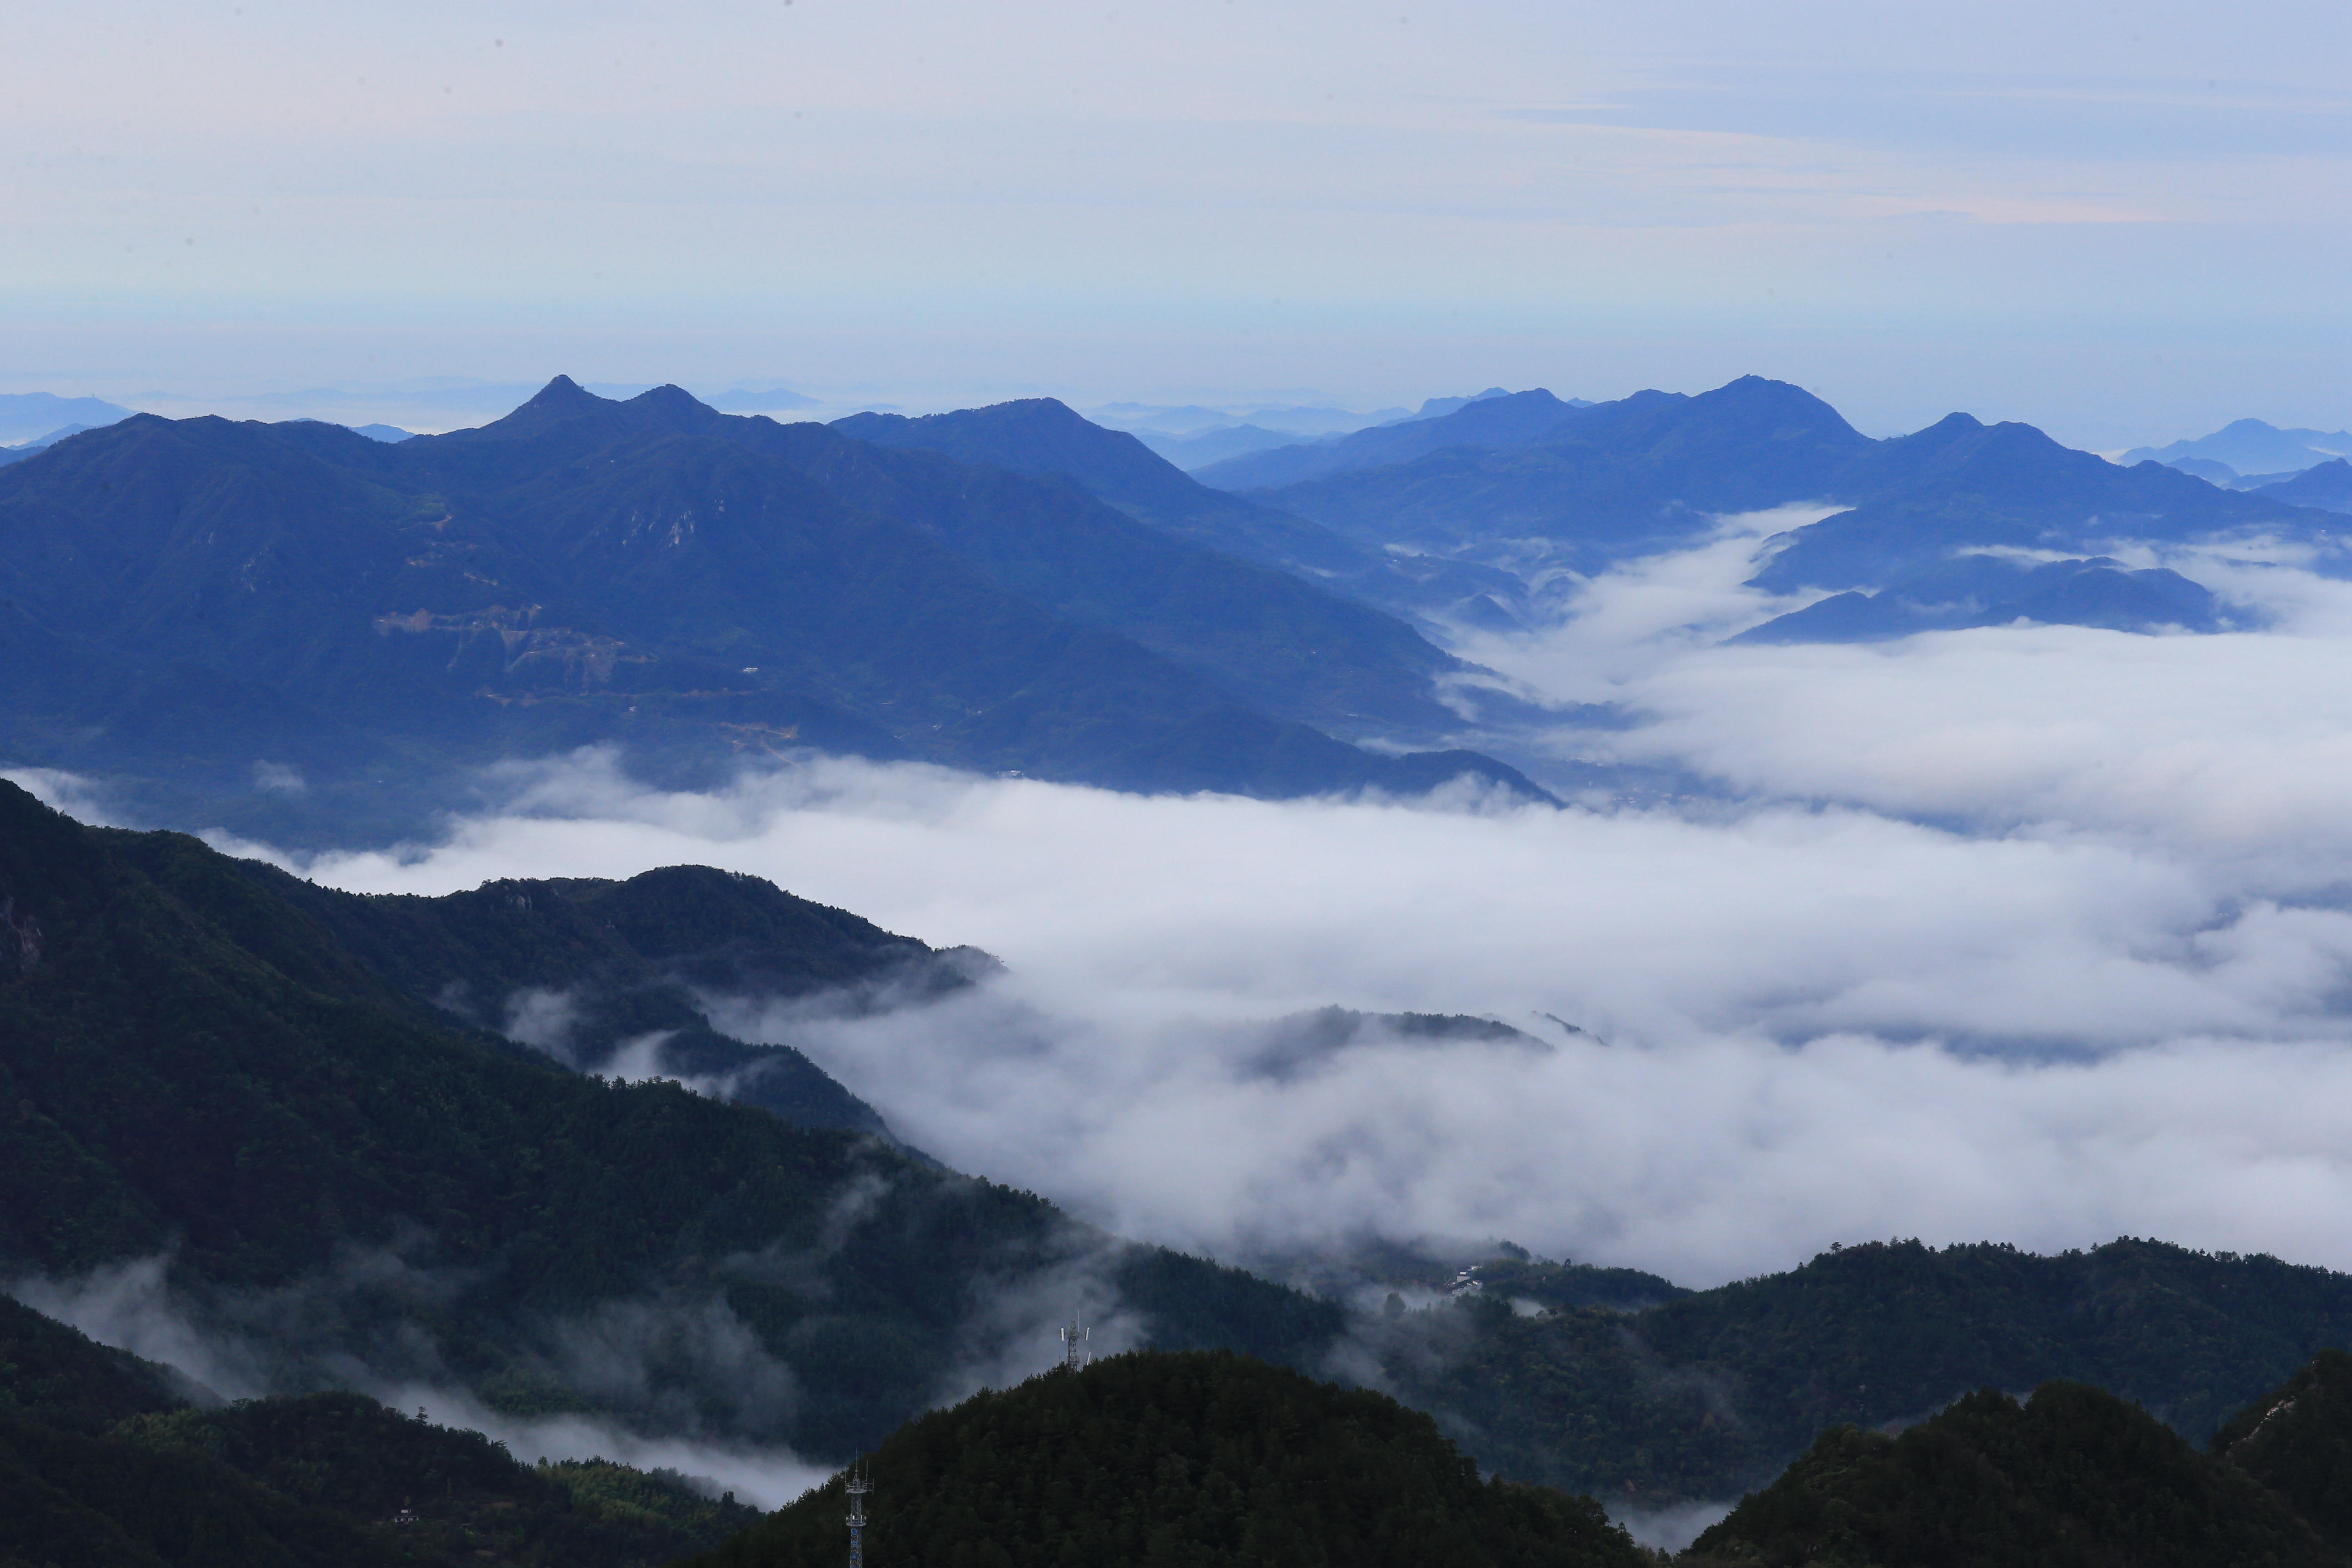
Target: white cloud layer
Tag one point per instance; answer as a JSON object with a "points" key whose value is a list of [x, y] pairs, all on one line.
{"points": [[2035, 934]]}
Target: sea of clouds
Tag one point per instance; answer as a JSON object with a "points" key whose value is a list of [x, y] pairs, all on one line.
{"points": [[2037, 934]]}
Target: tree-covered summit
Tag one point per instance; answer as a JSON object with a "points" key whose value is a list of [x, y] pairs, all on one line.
{"points": [[1188, 1459]]}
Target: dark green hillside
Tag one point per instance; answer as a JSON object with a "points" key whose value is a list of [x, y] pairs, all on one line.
{"points": [[2297, 1441], [346, 1454], [338, 1175], [52, 1375], [1183, 1459], [613, 964], [102, 1462], [1713, 1392], [2073, 1478]]}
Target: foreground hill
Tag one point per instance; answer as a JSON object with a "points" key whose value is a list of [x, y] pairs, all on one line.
{"points": [[198, 1070], [2297, 1440], [2073, 1476], [1711, 1393], [360, 622], [104, 1461], [1206, 1458]]}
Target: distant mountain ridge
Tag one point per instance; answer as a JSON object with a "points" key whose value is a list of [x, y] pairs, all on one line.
{"points": [[369, 620], [31, 415], [2251, 446], [1585, 488], [1042, 437], [1508, 419]]}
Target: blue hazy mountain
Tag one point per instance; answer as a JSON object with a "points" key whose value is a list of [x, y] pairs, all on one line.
{"points": [[1436, 407], [2328, 486], [1960, 484], [760, 400], [1650, 472], [1597, 481], [383, 432], [1510, 420], [1206, 447], [2251, 446], [372, 619], [1995, 590], [1041, 437], [32, 415]]}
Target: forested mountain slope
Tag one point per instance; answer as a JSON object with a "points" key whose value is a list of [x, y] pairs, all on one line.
{"points": [[1711, 1393], [105, 1463], [2073, 1477], [359, 621], [1199, 1459], [198, 1070]]}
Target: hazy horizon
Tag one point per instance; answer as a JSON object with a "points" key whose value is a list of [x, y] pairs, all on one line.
{"points": [[2124, 229]]}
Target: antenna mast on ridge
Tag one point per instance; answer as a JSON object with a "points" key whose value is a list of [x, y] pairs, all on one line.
{"points": [[858, 1486], [1074, 1346]]}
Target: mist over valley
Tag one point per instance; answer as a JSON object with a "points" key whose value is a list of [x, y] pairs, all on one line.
{"points": [[1500, 785]]}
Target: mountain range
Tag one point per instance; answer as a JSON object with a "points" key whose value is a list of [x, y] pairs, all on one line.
{"points": [[336, 1141], [367, 622], [1528, 485], [2249, 447]]}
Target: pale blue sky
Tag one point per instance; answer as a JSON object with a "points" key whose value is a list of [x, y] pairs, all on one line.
{"points": [[2122, 223]]}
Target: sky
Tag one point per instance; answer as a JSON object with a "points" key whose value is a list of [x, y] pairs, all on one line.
{"points": [[2031, 934], [2125, 223]]}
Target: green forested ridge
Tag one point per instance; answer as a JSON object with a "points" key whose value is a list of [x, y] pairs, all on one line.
{"points": [[1201, 1458], [614, 962], [54, 1375], [2297, 1441], [347, 1455], [2075, 1478], [102, 1462], [321, 1154], [1712, 1392]]}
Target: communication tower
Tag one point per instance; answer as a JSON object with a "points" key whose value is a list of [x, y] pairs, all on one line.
{"points": [[858, 1486], [1074, 1346]]}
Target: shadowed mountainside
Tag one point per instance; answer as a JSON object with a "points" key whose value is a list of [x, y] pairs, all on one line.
{"points": [[326, 1172], [362, 622], [1205, 1457], [106, 1463]]}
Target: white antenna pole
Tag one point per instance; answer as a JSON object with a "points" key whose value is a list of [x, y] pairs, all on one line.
{"points": [[858, 1486]]}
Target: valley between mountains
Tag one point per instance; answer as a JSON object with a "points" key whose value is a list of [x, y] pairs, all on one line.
{"points": [[1452, 774], [306, 1115]]}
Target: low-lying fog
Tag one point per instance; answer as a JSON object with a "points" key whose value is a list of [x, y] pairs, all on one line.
{"points": [[2037, 934]]}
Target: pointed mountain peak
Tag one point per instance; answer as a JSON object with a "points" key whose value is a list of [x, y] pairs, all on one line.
{"points": [[562, 393]]}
